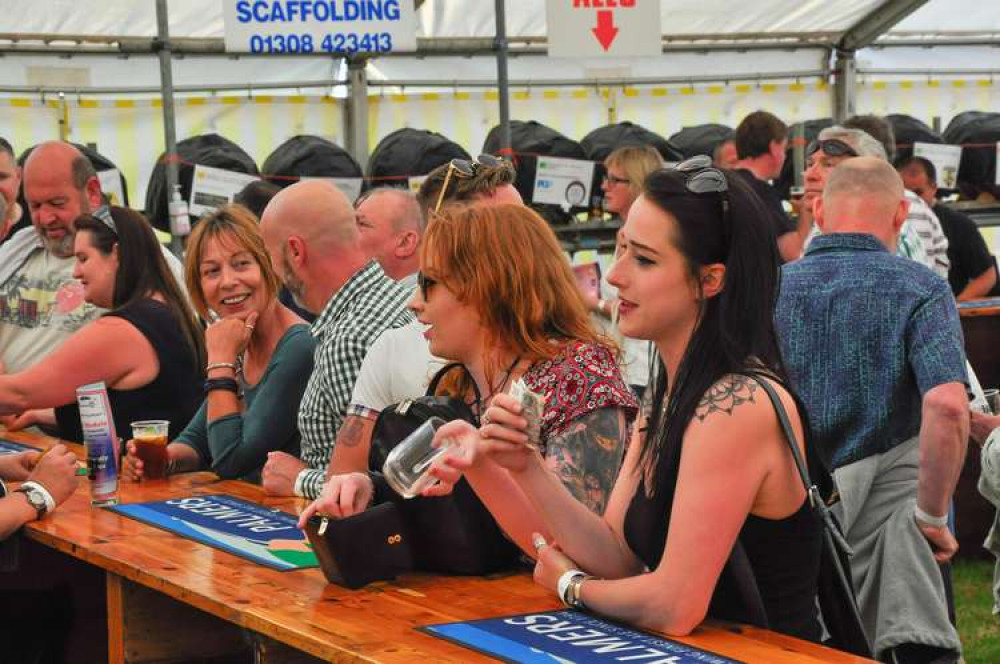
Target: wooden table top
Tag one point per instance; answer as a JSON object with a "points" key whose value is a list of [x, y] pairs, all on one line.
{"points": [[300, 609]]}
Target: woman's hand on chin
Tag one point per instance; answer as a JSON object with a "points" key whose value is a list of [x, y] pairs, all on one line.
{"points": [[225, 339]]}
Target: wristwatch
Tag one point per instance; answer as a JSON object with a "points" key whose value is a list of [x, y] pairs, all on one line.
{"points": [[35, 499]]}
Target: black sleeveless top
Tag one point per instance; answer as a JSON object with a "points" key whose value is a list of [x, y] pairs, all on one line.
{"points": [[176, 392], [783, 554]]}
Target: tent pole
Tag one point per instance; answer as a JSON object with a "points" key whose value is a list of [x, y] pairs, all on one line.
{"points": [[356, 116], [503, 83], [169, 126], [844, 85]]}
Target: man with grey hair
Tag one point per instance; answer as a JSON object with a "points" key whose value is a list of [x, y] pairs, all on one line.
{"points": [[390, 224], [873, 345], [311, 232], [833, 146]]}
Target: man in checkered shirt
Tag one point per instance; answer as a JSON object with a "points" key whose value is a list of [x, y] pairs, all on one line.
{"points": [[312, 235]]}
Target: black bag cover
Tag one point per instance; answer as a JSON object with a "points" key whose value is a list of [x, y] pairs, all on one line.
{"points": [[812, 128], [909, 130], [530, 140], [368, 546], [452, 534], [208, 150], [407, 152], [977, 132], [601, 142], [311, 156], [99, 162], [700, 139]]}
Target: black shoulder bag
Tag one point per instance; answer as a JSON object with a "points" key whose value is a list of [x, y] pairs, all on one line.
{"points": [[837, 602], [452, 534]]}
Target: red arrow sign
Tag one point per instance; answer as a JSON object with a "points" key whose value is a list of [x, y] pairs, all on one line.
{"points": [[605, 30]]}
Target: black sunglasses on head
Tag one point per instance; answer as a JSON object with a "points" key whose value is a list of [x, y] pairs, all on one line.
{"points": [[103, 214], [831, 147], [424, 283], [465, 169]]}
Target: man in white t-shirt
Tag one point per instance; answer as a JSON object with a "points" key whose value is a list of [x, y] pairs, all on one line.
{"points": [[41, 304]]}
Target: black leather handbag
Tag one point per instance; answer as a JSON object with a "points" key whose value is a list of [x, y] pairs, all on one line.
{"points": [[368, 546], [837, 602], [452, 534]]}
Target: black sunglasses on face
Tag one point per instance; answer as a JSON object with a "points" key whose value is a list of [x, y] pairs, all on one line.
{"points": [[831, 147], [465, 169], [614, 179], [424, 283]]}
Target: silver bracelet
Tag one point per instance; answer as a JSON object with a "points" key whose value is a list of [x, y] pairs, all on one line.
{"points": [[221, 365], [927, 519]]}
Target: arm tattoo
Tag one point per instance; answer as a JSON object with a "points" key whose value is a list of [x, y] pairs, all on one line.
{"points": [[586, 456], [726, 395], [350, 432]]}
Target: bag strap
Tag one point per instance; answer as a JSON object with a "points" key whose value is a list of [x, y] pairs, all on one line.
{"points": [[445, 370], [815, 499]]}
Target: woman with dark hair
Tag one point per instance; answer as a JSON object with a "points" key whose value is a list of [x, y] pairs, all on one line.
{"points": [[148, 349], [697, 272], [260, 355]]}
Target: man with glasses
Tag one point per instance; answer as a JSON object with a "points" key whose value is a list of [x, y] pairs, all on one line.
{"points": [[833, 146], [41, 304], [311, 232], [873, 345]]}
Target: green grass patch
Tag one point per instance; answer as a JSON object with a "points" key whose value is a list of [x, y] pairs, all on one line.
{"points": [[978, 628]]}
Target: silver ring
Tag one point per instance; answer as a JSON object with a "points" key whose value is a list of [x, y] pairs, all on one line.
{"points": [[485, 419], [538, 542]]}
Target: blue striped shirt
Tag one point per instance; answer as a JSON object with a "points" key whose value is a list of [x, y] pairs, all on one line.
{"points": [[864, 335]]}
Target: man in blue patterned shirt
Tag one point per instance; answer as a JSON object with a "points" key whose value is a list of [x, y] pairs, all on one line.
{"points": [[874, 347], [311, 232]]}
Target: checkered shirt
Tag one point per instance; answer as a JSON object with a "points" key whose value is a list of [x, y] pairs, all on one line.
{"points": [[367, 305]]}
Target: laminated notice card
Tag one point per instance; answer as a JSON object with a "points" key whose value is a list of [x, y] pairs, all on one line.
{"points": [[260, 534], [568, 637]]}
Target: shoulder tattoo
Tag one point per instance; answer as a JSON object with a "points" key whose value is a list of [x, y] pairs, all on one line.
{"points": [[726, 395]]}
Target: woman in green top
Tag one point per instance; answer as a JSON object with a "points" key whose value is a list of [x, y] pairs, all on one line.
{"points": [[260, 355]]}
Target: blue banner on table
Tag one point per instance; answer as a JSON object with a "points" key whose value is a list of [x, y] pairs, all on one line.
{"points": [[260, 534], [10, 447], [568, 637]]}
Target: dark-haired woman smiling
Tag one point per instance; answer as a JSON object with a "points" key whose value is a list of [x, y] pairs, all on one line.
{"points": [[148, 350], [697, 274]]}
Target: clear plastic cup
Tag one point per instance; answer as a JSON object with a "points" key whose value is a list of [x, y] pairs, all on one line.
{"points": [[406, 468]]}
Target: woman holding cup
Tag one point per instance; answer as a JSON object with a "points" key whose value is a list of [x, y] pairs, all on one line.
{"points": [[498, 296], [260, 355]]}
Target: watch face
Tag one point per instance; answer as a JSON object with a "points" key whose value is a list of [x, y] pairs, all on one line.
{"points": [[35, 499]]}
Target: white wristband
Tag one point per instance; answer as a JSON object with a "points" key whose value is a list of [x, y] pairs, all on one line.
{"points": [[299, 481], [50, 503], [925, 518], [563, 584]]}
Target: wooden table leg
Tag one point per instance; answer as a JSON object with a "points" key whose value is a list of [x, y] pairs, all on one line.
{"points": [[116, 620]]}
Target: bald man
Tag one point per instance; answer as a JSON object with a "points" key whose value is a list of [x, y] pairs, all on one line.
{"points": [[390, 224], [874, 347], [41, 304], [311, 232]]}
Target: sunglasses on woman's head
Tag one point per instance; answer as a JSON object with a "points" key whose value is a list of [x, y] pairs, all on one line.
{"points": [[831, 147], [465, 169], [702, 177], [103, 214]]}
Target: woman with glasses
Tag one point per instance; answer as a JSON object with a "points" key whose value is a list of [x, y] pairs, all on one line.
{"points": [[708, 466], [505, 325], [148, 349], [260, 355], [626, 169]]}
